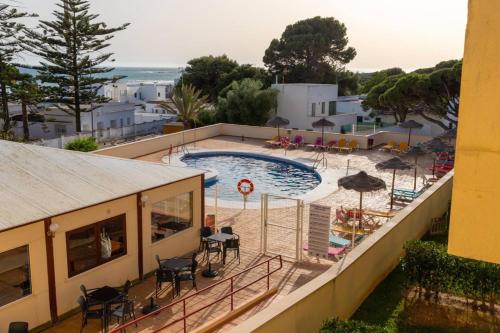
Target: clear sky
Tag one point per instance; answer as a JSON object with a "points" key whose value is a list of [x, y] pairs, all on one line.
{"points": [[386, 33]]}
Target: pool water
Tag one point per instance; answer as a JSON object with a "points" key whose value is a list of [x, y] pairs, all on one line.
{"points": [[269, 175]]}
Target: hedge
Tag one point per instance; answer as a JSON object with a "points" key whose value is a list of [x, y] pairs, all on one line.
{"points": [[430, 268], [82, 144], [336, 325]]}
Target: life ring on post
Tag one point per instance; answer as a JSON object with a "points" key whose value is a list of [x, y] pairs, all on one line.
{"points": [[245, 186]]}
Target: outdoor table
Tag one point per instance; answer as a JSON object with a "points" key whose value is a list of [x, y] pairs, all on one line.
{"points": [[220, 238], [338, 241], [105, 295], [177, 264]]}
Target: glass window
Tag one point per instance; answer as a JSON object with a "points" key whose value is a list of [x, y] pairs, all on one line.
{"points": [[313, 109], [332, 108], [171, 215], [15, 276], [322, 107], [95, 244]]}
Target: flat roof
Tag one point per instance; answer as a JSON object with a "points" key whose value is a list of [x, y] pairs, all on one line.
{"points": [[39, 182]]}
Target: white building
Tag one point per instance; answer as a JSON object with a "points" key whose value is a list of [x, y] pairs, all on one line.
{"points": [[352, 104], [304, 103], [138, 92]]}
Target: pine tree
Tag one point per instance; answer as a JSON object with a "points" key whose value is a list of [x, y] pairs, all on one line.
{"points": [[12, 33], [71, 47]]}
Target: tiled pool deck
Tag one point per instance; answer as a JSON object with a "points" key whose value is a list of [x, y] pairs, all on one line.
{"points": [[247, 224]]}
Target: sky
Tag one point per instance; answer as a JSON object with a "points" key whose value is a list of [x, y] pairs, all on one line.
{"points": [[168, 33]]}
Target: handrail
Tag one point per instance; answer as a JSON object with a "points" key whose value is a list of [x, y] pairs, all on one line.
{"points": [[230, 294]]}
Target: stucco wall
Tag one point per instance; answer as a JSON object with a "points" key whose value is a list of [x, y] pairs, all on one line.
{"points": [[474, 228], [341, 289], [33, 308]]}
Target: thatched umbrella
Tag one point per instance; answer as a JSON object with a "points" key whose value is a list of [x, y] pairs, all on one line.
{"points": [[393, 164], [415, 151], [361, 182], [323, 122], [410, 124], [278, 121]]}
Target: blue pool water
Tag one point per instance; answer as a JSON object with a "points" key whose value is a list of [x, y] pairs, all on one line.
{"points": [[269, 175]]}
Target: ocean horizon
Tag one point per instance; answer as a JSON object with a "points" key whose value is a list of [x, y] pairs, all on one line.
{"points": [[134, 73]]}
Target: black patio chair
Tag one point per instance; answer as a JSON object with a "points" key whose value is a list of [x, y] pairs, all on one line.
{"points": [[89, 314], [186, 276], [89, 300], [125, 309], [18, 327], [212, 248], [165, 276], [226, 230], [204, 233], [231, 245], [126, 287]]}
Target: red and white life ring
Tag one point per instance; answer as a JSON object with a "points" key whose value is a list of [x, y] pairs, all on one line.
{"points": [[245, 190]]}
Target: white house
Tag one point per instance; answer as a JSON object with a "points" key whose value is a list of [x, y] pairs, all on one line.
{"points": [[137, 92], [110, 115], [304, 103]]}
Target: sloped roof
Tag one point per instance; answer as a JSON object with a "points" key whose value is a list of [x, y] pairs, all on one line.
{"points": [[39, 182]]}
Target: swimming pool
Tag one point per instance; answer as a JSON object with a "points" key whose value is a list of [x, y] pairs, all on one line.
{"points": [[269, 174]]}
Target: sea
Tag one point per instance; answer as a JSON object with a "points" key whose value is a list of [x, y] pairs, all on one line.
{"points": [[134, 73]]}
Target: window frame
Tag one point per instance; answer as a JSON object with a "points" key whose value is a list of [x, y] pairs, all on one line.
{"points": [[313, 110], [27, 246], [191, 196], [96, 226], [322, 107], [330, 103]]}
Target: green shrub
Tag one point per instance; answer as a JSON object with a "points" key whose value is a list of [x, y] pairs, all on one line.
{"points": [[82, 144], [336, 325], [428, 266]]}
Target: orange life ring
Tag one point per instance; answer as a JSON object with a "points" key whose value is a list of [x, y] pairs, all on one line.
{"points": [[248, 190]]}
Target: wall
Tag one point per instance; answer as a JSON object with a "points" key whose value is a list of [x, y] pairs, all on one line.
{"points": [[474, 228], [341, 289], [33, 308], [182, 242]]}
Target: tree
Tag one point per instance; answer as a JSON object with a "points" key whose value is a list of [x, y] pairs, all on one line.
{"points": [[373, 99], [26, 91], [377, 77], [188, 102], [245, 102], [309, 51], [72, 48], [11, 45]]}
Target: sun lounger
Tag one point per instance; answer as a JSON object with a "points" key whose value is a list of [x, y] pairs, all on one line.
{"points": [[337, 241], [318, 143], [407, 195], [347, 229], [340, 145], [332, 251], [378, 213], [350, 147], [273, 141], [389, 146], [401, 148], [296, 142]]}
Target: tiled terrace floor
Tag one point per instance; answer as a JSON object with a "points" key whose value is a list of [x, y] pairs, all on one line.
{"points": [[247, 224]]}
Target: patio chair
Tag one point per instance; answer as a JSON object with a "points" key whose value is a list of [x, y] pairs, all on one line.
{"points": [[350, 147], [126, 308], [89, 300], [331, 145], [389, 146], [318, 143], [204, 233], [231, 245], [165, 276], [341, 216], [333, 252], [89, 314], [296, 142], [18, 327], [226, 230], [273, 140], [280, 142], [401, 148], [340, 145], [186, 276]]}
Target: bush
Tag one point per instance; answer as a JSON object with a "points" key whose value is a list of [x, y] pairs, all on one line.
{"points": [[336, 325], [428, 266], [82, 144]]}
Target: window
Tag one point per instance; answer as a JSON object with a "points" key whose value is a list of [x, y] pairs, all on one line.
{"points": [[128, 120], [112, 123], [159, 94], [313, 109], [96, 244], [322, 107], [60, 129], [135, 95], [15, 276], [332, 108], [140, 96], [171, 215]]}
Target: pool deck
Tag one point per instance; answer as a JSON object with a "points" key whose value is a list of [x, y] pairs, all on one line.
{"points": [[247, 224]]}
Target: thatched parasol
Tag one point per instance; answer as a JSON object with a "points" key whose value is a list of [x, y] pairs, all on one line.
{"points": [[415, 152], [436, 145], [361, 182], [278, 121], [410, 124], [323, 122], [393, 164]]}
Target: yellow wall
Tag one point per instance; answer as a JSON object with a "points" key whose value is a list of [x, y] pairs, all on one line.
{"points": [[475, 226], [33, 308], [340, 290]]}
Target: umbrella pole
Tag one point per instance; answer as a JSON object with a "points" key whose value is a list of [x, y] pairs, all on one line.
{"points": [[360, 208], [322, 135], [409, 137], [415, 179], [278, 132], [392, 190]]}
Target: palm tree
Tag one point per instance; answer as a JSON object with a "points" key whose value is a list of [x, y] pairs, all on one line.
{"points": [[188, 102]]}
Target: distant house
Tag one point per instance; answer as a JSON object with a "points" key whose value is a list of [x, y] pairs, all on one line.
{"points": [[304, 103], [137, 92], [69, 218]]}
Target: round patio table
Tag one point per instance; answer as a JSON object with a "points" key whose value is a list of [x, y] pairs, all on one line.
{"points": [[177, 264]]}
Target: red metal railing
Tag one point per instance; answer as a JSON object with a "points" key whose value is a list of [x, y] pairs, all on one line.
{"points": [[231, 294]]}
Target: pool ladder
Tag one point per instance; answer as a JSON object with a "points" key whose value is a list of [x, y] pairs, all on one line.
{"points": [[320, 159]]}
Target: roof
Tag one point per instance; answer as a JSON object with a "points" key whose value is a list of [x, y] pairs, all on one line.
{"points": [[39, 182], [111, 107]]}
